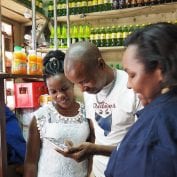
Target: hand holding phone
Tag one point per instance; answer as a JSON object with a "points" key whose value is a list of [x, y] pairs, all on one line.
{"points": [[57, 145]]}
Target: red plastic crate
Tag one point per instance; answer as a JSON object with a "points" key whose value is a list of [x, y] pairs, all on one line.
{"points": [[27, 94]]}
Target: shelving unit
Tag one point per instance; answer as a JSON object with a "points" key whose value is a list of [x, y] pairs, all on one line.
{"points": [[137, 15], [13, 10], [123, 13], [3, 151]]}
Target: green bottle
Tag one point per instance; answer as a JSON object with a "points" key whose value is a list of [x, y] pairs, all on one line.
{"points": [[81, 33], [125, 33], [37, 5], [73, 34], [92, 36], [89, 8], [59, 35], [86, 32], [52, 37], [119, 36], [113, 36], [64, 36], [130, 29], [100, 5], [78, 2], [108, 37], [102, 37], [71, 7], [97, 37], [59, 8], [41, 9], [107, 5], [63, 8], [95, 6], [50, 9]]}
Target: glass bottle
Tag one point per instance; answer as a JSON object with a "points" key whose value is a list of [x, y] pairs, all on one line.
{"points": [[113, 36], [102, 37], [64, 36], [50, 9], [108, 36]]}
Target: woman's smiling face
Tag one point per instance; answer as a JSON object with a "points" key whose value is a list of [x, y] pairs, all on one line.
{"points": [[146, 84]]}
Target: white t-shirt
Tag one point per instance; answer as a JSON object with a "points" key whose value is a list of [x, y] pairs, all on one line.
{"points": [[113, 117]]}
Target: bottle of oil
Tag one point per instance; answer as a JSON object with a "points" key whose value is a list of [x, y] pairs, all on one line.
{"points": [[119, 36], [95, 5], [97, 37], [64, 36], [92, 36], [50, 9], [125, 33], [102, 37], [100, 5], [81, 33], [86, 32], [51, 37], [108, 36]]}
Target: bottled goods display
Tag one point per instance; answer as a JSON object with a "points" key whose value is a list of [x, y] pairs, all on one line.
{"points": [[89, 6], [77, 33], [108, 36], [39, 5], [23, 64]]}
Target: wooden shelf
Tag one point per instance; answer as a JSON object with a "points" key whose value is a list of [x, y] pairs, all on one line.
{"points": [[13, 10], [102, 49], [17, 76], [122, 13]]}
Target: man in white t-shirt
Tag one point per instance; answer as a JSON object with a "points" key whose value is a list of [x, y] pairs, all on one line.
{"points": [[109, 103]]}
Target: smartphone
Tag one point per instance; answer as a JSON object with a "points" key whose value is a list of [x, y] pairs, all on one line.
{"points": [[61, 147]]}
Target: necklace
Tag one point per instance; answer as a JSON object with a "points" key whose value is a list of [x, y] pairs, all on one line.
{"points": [[112, 84]]}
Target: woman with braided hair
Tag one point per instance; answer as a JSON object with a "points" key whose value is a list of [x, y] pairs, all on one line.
{"points": [[62, 119]]}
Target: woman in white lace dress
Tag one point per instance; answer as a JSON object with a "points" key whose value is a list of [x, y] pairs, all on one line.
{"points": [[63, 119]]}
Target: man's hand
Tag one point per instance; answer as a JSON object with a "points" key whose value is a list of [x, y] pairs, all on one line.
{"points": [[78, 153]]}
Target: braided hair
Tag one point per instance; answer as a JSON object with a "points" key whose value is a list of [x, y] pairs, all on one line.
{"points": [[53, 63]]}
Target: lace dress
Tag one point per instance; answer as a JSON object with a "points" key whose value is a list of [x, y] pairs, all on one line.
{"points": [[58, 128]]}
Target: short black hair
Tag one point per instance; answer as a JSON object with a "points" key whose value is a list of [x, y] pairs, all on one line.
{"points": [[53, 63], [157, 47]]}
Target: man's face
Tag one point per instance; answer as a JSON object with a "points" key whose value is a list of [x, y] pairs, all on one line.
{"points": [[88, 80]]}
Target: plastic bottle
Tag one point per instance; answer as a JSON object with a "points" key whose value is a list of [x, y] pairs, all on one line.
{"points": [[39, 64], [19, 62], [86, 32], [81, 33], [51, 37], [64, 36], [119, 36], [113, 36], [50, 9], [32, 63], [102, 37]]}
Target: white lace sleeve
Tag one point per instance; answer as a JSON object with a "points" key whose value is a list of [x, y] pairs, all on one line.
{"points": [[40, 119]]}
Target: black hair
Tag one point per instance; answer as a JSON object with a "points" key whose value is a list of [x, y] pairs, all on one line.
{"points": [[53, 63], [157, 47]]}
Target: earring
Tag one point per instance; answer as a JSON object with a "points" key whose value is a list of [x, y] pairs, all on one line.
{"points": [[165, 90]]}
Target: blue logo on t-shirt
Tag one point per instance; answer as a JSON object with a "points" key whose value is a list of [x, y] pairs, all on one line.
{"points": [[104, 122]]}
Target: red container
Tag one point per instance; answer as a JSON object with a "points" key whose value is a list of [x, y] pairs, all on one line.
{"points": [[27, 94]]}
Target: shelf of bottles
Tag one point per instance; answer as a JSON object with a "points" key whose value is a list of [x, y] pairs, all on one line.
{"points": [[104, 36], [94, 7], [39, 5]]}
